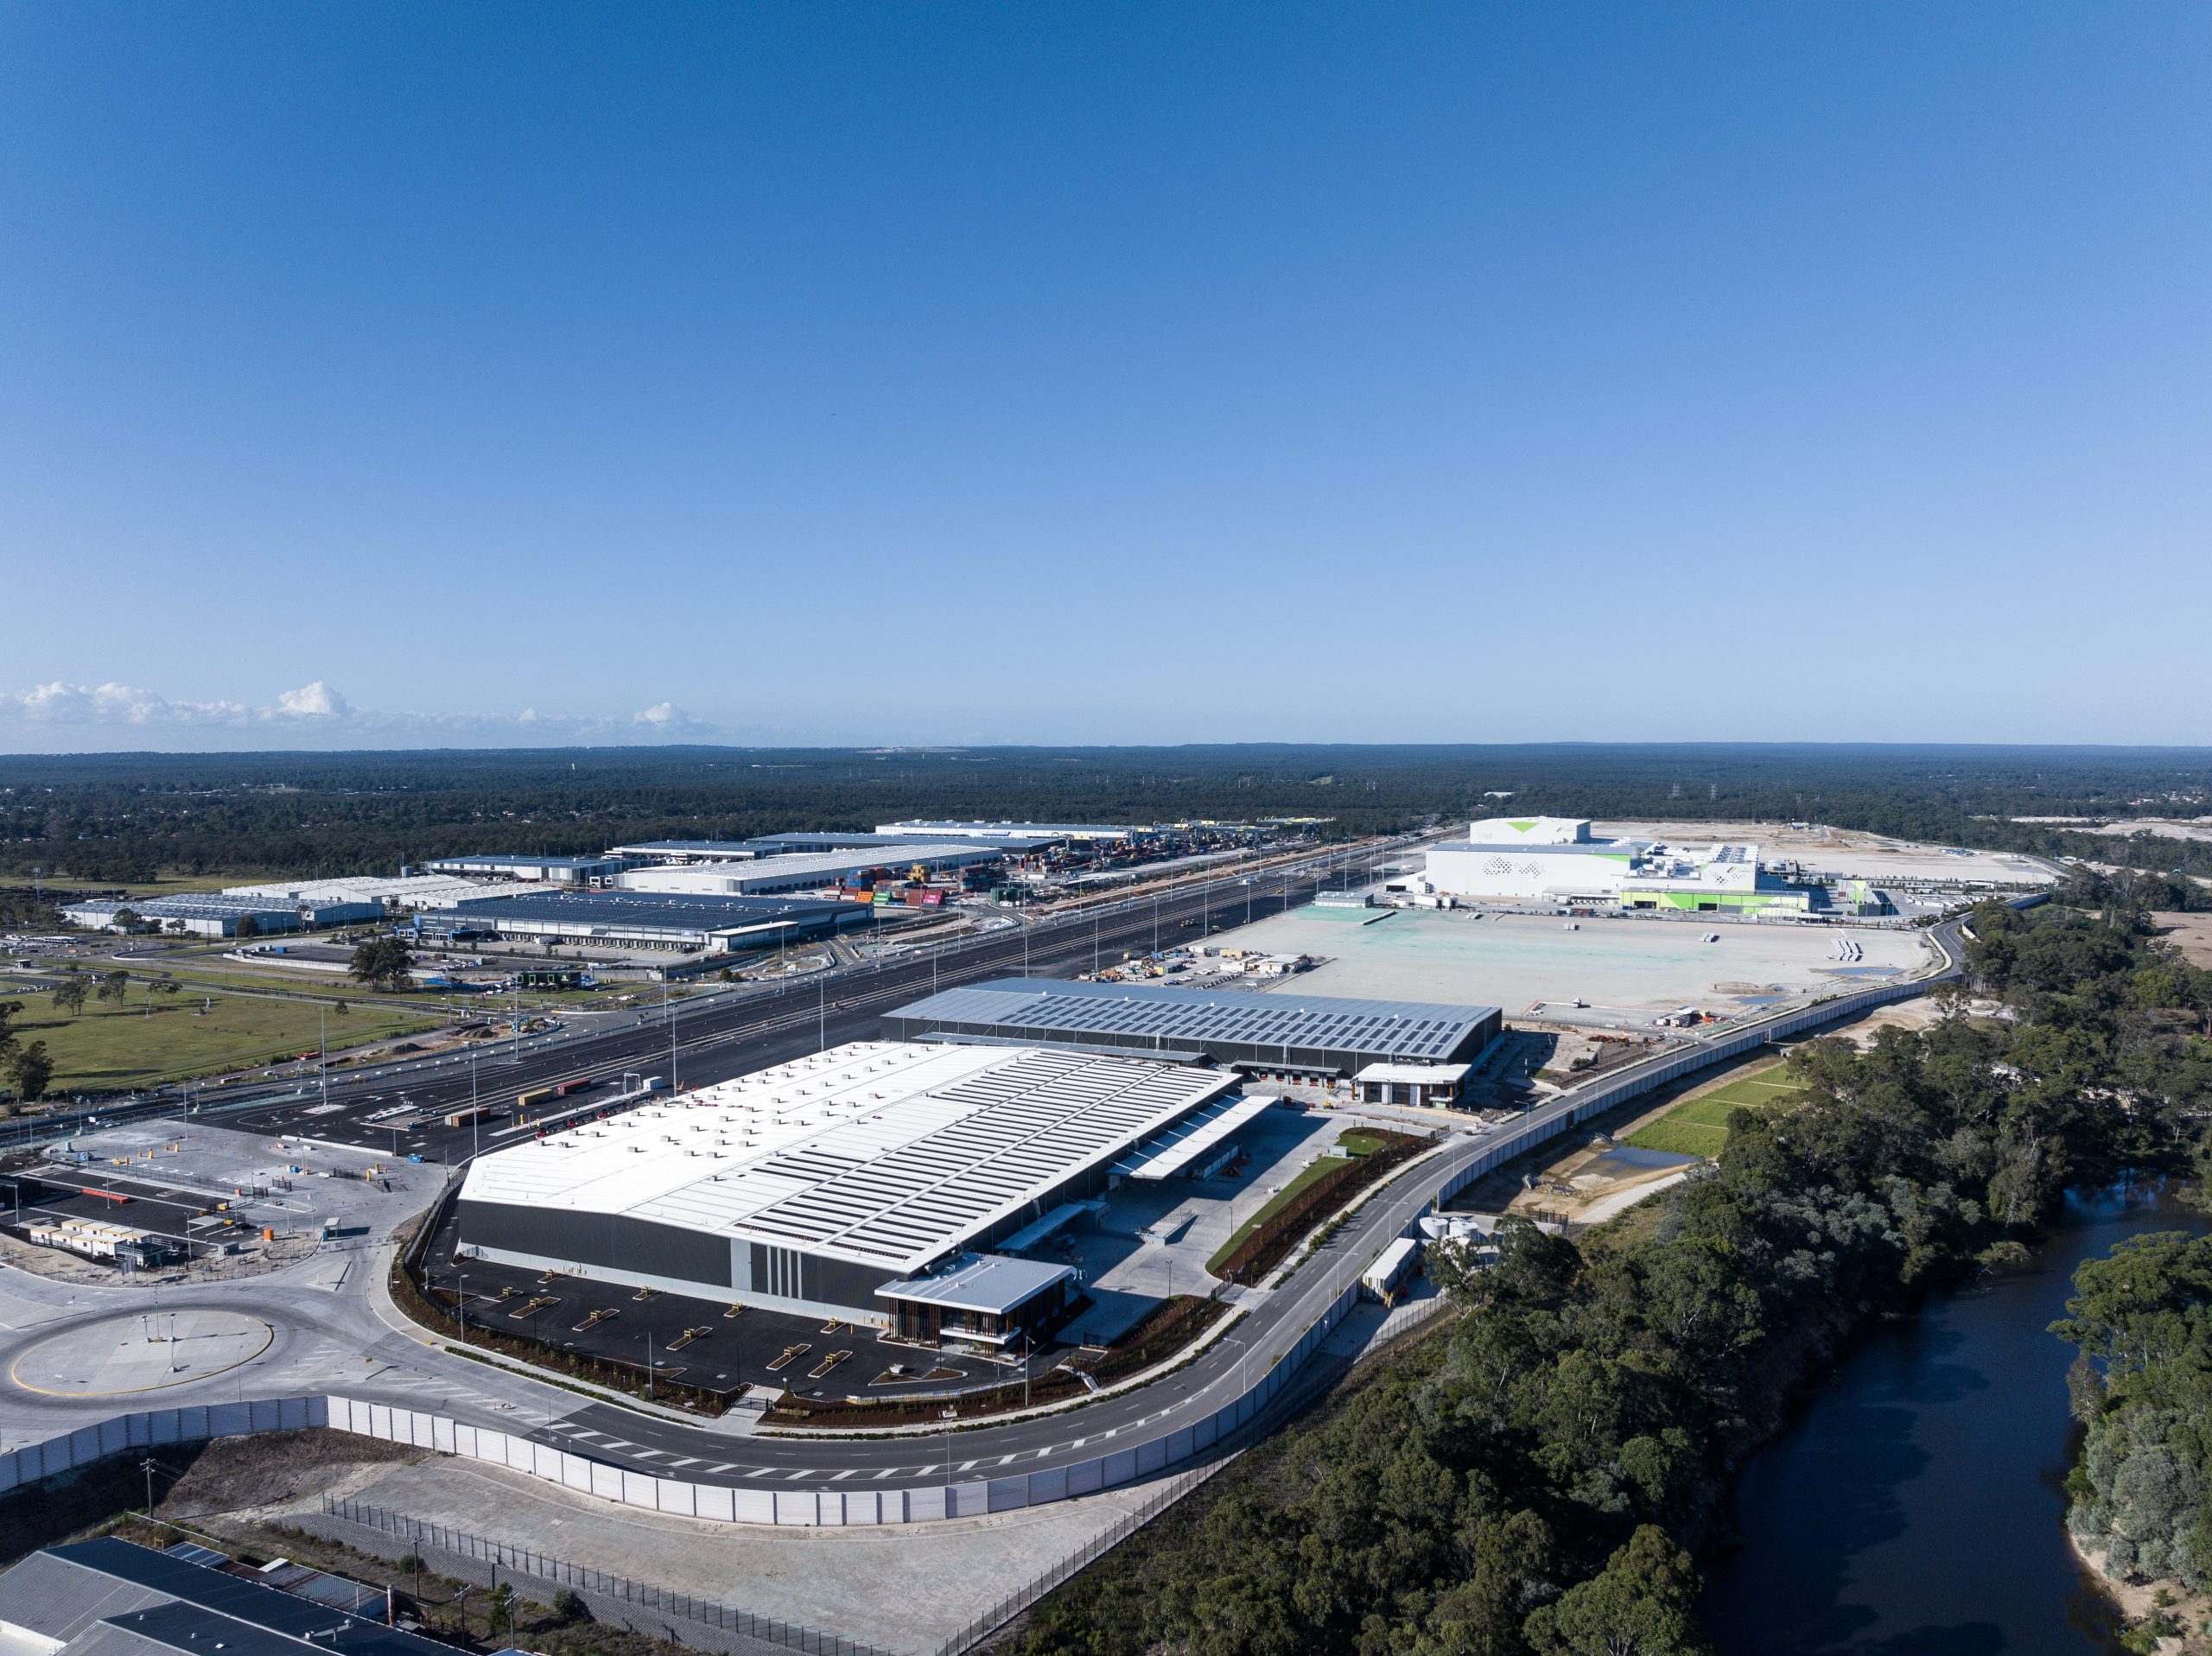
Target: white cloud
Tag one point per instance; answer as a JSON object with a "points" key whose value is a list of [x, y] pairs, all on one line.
{"points": [[315, 701], [60, 716], [114, 704]]}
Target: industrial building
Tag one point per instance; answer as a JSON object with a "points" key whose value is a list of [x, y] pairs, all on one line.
{"points": [[1045, 832], [108, 1596], [717, 924], [548, 871], [1555, 860], [401, 892], [831, 1185], [787, 845], [804, 873], [1431, 1085], [205, 914], [1282, 1033]]}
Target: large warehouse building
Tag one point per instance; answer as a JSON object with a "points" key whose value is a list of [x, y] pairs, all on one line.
{"points": [[403, 891], [803, 873], [1270, 1034], [718, 925], [1046, 833], [205, 914], [1555, 860], [545, 871], [827, 1186]]}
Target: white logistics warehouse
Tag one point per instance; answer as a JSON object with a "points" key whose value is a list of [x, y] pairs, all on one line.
{"points": [[1555, 860], [762, 875], [831, 1185]]}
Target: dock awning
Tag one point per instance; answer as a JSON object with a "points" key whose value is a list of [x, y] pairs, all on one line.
{"points": [[1183, 1143]]}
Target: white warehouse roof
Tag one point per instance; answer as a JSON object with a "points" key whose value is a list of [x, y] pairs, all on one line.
{"points": [[878, 1153], [799, 872]]}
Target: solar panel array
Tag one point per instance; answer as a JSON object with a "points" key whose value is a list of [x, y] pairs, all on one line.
{"points": [[1401, 1029], [1036, 1121]]}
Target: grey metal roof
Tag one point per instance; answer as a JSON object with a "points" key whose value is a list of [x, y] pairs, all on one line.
{"points": [[61, 1597], [1400, 1028], [501, 859], [989, 1282], [705, 911], [230, 1597]]}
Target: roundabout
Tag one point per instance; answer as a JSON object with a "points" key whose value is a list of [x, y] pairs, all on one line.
{"points": [[131, 1354]]}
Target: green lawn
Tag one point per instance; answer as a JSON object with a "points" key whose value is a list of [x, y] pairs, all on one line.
{"points": [[1699, 1126], [1358, 1144], [102, 1048]]}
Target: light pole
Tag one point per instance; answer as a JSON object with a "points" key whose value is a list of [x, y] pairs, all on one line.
{"points": [[461, 1304], [475, 1111], [669, 1012]]}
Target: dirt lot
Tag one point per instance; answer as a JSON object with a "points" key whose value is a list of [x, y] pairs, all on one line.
{"points": [[199, 1482], [2191, 933]]}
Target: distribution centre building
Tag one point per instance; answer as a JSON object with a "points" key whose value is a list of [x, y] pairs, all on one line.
{"points": [[1555, 860], [205, 914], [1280, 1033], [828, 1186], [548, 871], [882, 847], [805, 873], [640, 920], [1048, 832]]}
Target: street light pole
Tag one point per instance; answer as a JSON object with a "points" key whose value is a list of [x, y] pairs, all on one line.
{"points": [[669, 1012]]}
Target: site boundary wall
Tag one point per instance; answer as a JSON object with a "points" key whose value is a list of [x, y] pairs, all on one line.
{"points": [[615, 1598], [149, 1428]]}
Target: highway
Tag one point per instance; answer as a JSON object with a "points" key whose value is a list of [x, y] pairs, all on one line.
{"points": [[731, 1032]]}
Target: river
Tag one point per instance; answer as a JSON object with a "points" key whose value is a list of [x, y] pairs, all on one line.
{"points": [[1912, 1506]]}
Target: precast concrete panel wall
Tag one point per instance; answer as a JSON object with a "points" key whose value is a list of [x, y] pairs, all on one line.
{"points": [[149, 1427]]}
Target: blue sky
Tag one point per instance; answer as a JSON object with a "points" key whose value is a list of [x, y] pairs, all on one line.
{"points": [[397, 375]]}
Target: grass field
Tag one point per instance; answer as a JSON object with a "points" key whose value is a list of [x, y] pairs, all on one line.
{"points": [[1699, 1126], [1358, 1143], [104, 1049]]}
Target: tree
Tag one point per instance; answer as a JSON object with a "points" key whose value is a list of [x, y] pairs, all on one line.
{"points": [[1640, 1605], [113, 986], [69, 995], [248, 927], [8, 1012], [30, 1069], [382, 963], [342, 1008], [125, 920]]}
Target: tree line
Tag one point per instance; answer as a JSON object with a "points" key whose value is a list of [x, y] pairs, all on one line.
{"points": [[1535, 1478], [121, 817]]}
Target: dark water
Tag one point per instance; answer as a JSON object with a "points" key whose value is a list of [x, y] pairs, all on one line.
{"points": [[1913, 1508]]}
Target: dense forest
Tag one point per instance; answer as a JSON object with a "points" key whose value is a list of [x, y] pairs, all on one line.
{"points": [[119, 817], [1535, 1479], [2141, 1491]]}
